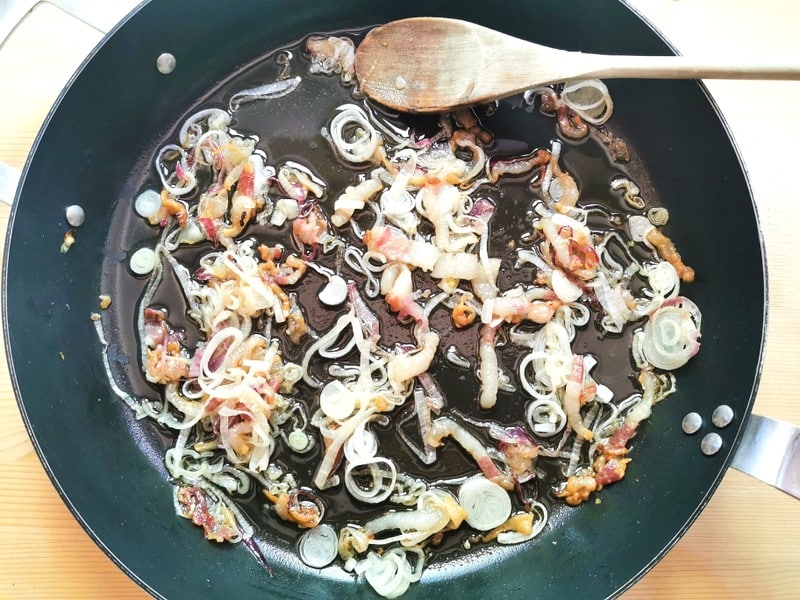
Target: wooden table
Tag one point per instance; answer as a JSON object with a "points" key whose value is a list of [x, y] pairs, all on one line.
{"points": [[744, 545]]}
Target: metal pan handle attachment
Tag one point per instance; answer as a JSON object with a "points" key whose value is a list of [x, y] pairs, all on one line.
{"points": [[770, 451]]}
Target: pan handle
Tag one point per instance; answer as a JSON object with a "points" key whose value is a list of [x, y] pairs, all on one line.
{"points": [[770, 451]]}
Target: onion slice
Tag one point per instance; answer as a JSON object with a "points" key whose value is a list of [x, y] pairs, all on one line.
{"points": [[487, 504], [590, 99], [143, 261], [336, 401], [671, 334], [147, 203], [565, 289], [318, 546]]}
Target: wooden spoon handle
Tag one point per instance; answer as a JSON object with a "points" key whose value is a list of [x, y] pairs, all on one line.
{"points": [[678, 67], [436, 65]]}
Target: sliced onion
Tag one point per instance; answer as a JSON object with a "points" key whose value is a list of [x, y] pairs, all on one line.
{"points": [[565, 289], [335, 292], [589, 99], [396, 204], [604, 394], [361, 446], [353, 135], [663, 279], [423, 255], [515, 537], [671, 334], [639, 227], [215, 117], [147, 203], [336, 401], [318, 546], [487, 504], [192, 233], [456, 265], [269, 91], [533, 258], [390, 574], [170, 183], [424, 405], [616, 311], [383, 475], [546, 417], [299, 441], [143, 261], [397, 200], [327, 340], [454, 357], [285, 208], [631, 192]]}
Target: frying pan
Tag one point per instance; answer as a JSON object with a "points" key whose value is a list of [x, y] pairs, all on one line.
{"points": [[101, 459]]}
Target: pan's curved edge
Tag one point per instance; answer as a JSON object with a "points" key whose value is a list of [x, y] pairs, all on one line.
{"points": [[764, 320], [4, 312]]}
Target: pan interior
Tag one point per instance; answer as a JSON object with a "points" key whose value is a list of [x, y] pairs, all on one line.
{"points": [[118, 485]]}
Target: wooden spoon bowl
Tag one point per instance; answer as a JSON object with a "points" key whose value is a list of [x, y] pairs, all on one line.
{"points": [[428, 64]]}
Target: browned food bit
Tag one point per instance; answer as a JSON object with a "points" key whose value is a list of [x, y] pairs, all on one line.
{"points": [[105, 301], [296, 327], [309, 229], [549, 100], [464, 314], [174, 208], [521, 165], [69, 239], [609, 471], [297, 506], [666, 250], [578, 488], [330, 54], [521, 523], [620, 152], [468, 122], [166, 364], [166, 361], [570, 124], [287, 273], [520, 453], [217, 521], [244, 204]]}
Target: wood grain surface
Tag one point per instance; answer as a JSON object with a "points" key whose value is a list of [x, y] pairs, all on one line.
{"points": [[745, 543]]}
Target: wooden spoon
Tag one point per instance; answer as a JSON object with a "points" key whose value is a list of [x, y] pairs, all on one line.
{"points": [[429, 64]]}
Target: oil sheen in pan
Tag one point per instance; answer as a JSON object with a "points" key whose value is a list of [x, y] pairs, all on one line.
{"points": [[288, 128]]}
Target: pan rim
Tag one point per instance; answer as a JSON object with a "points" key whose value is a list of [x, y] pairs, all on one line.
{"points": [[121, 563]]}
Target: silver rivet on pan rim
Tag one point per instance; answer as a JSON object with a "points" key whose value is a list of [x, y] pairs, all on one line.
{"points": [[165, 63], [691, 423], [75, 215], [722, 415], [711, 444]]}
